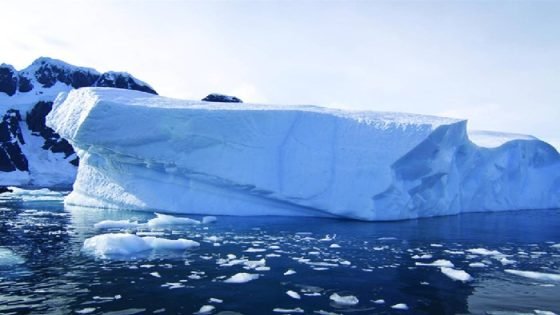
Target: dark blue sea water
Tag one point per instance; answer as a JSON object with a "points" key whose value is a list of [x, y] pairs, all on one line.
{"points": [[43, 269]]}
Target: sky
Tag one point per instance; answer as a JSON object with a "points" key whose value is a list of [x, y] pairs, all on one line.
{"points": [[495, 63]]}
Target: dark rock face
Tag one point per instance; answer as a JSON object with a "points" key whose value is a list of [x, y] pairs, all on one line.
{"points": [[24, 84], [122, 80], [8, 80], [215, 97], [49, 72], [4, 189], [11, 156], [36, 122]]}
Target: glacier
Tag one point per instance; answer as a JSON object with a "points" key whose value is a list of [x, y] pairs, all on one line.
{"points": [[147, 152]]}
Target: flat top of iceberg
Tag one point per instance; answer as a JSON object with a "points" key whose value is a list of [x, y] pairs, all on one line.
{"points": [[92, 95]]}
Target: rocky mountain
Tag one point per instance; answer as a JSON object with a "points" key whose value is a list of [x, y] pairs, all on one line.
{"points": [[32, 154]]}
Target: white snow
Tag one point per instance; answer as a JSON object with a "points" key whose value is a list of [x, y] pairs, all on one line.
{"points": [[247, 159], [380, 301], [344, 299], [125, 244], [289, 272], [241, 277], [484, 252], [456, 274], [535, 275]]}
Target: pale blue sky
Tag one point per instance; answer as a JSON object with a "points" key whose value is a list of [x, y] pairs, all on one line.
{"points": [[496, 63]]}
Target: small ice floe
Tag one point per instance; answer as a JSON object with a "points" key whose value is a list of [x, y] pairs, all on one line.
{"points": [[380, 301], [288, 311], [387, 238], [484, 252], [400, 306], [539, 312], [9, 258], [436, 245], [173, 285], [155, 274], [456, 274], [116, 224], [327, 238], [289, 272], [424, 256], [454, 252], [255, 250], [125, 244], [344, 299], [535, 275], [241, 277], [424, 283], [437, 263], [262, 268], [273, 247], [506, 261], [321, 312], [293, 294], [209, 219], [86, 310], [205, 309], [273, 255], [334, 245], [214, 300], [477, 265], [555, 246], [162, 220]]}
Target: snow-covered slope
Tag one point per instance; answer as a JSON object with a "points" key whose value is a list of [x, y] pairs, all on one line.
{"points": [[32, 154], [143, 151]]}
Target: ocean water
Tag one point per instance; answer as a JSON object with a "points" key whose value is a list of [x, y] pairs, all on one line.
{"points": [[43, 269]]}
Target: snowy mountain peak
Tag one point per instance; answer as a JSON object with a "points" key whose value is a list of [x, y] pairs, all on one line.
{"points": [[32, 154]]}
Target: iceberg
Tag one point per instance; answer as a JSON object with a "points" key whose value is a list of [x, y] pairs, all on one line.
{"points": [[147, 152]]}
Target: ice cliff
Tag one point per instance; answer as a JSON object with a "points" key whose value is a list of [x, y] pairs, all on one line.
{"points": [[144, 151]]}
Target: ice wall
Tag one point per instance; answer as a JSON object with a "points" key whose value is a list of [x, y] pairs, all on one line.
{"points": [[143, 151]]}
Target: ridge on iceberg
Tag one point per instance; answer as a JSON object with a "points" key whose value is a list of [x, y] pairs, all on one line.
{"points": [[142, 151]]}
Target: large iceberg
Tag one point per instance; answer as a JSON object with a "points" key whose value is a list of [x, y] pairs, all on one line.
{"points": [[142, 151]]}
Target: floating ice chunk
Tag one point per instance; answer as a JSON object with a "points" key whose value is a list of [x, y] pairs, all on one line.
{"points": [[9, 258], [456, 274], [390, 238], [535, 275], [344, 299], [286, 310], [155, 274], [166, 220], [477, 265], [327, 238], [241, 277], [321, 312], [293, 294], [506, 261], [120, 224], [289, 272], [115, 244], [162, 243], [209, 219], [454, 252], [484, 252], [262, 268], [400, 306], [334, 246], [214, 300], [424, 256], [555, 245], [125, 244], [255, 250], [437, 263], [380, 301], [539, 312], [86, 310], [436, 245], [206, 309]]}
